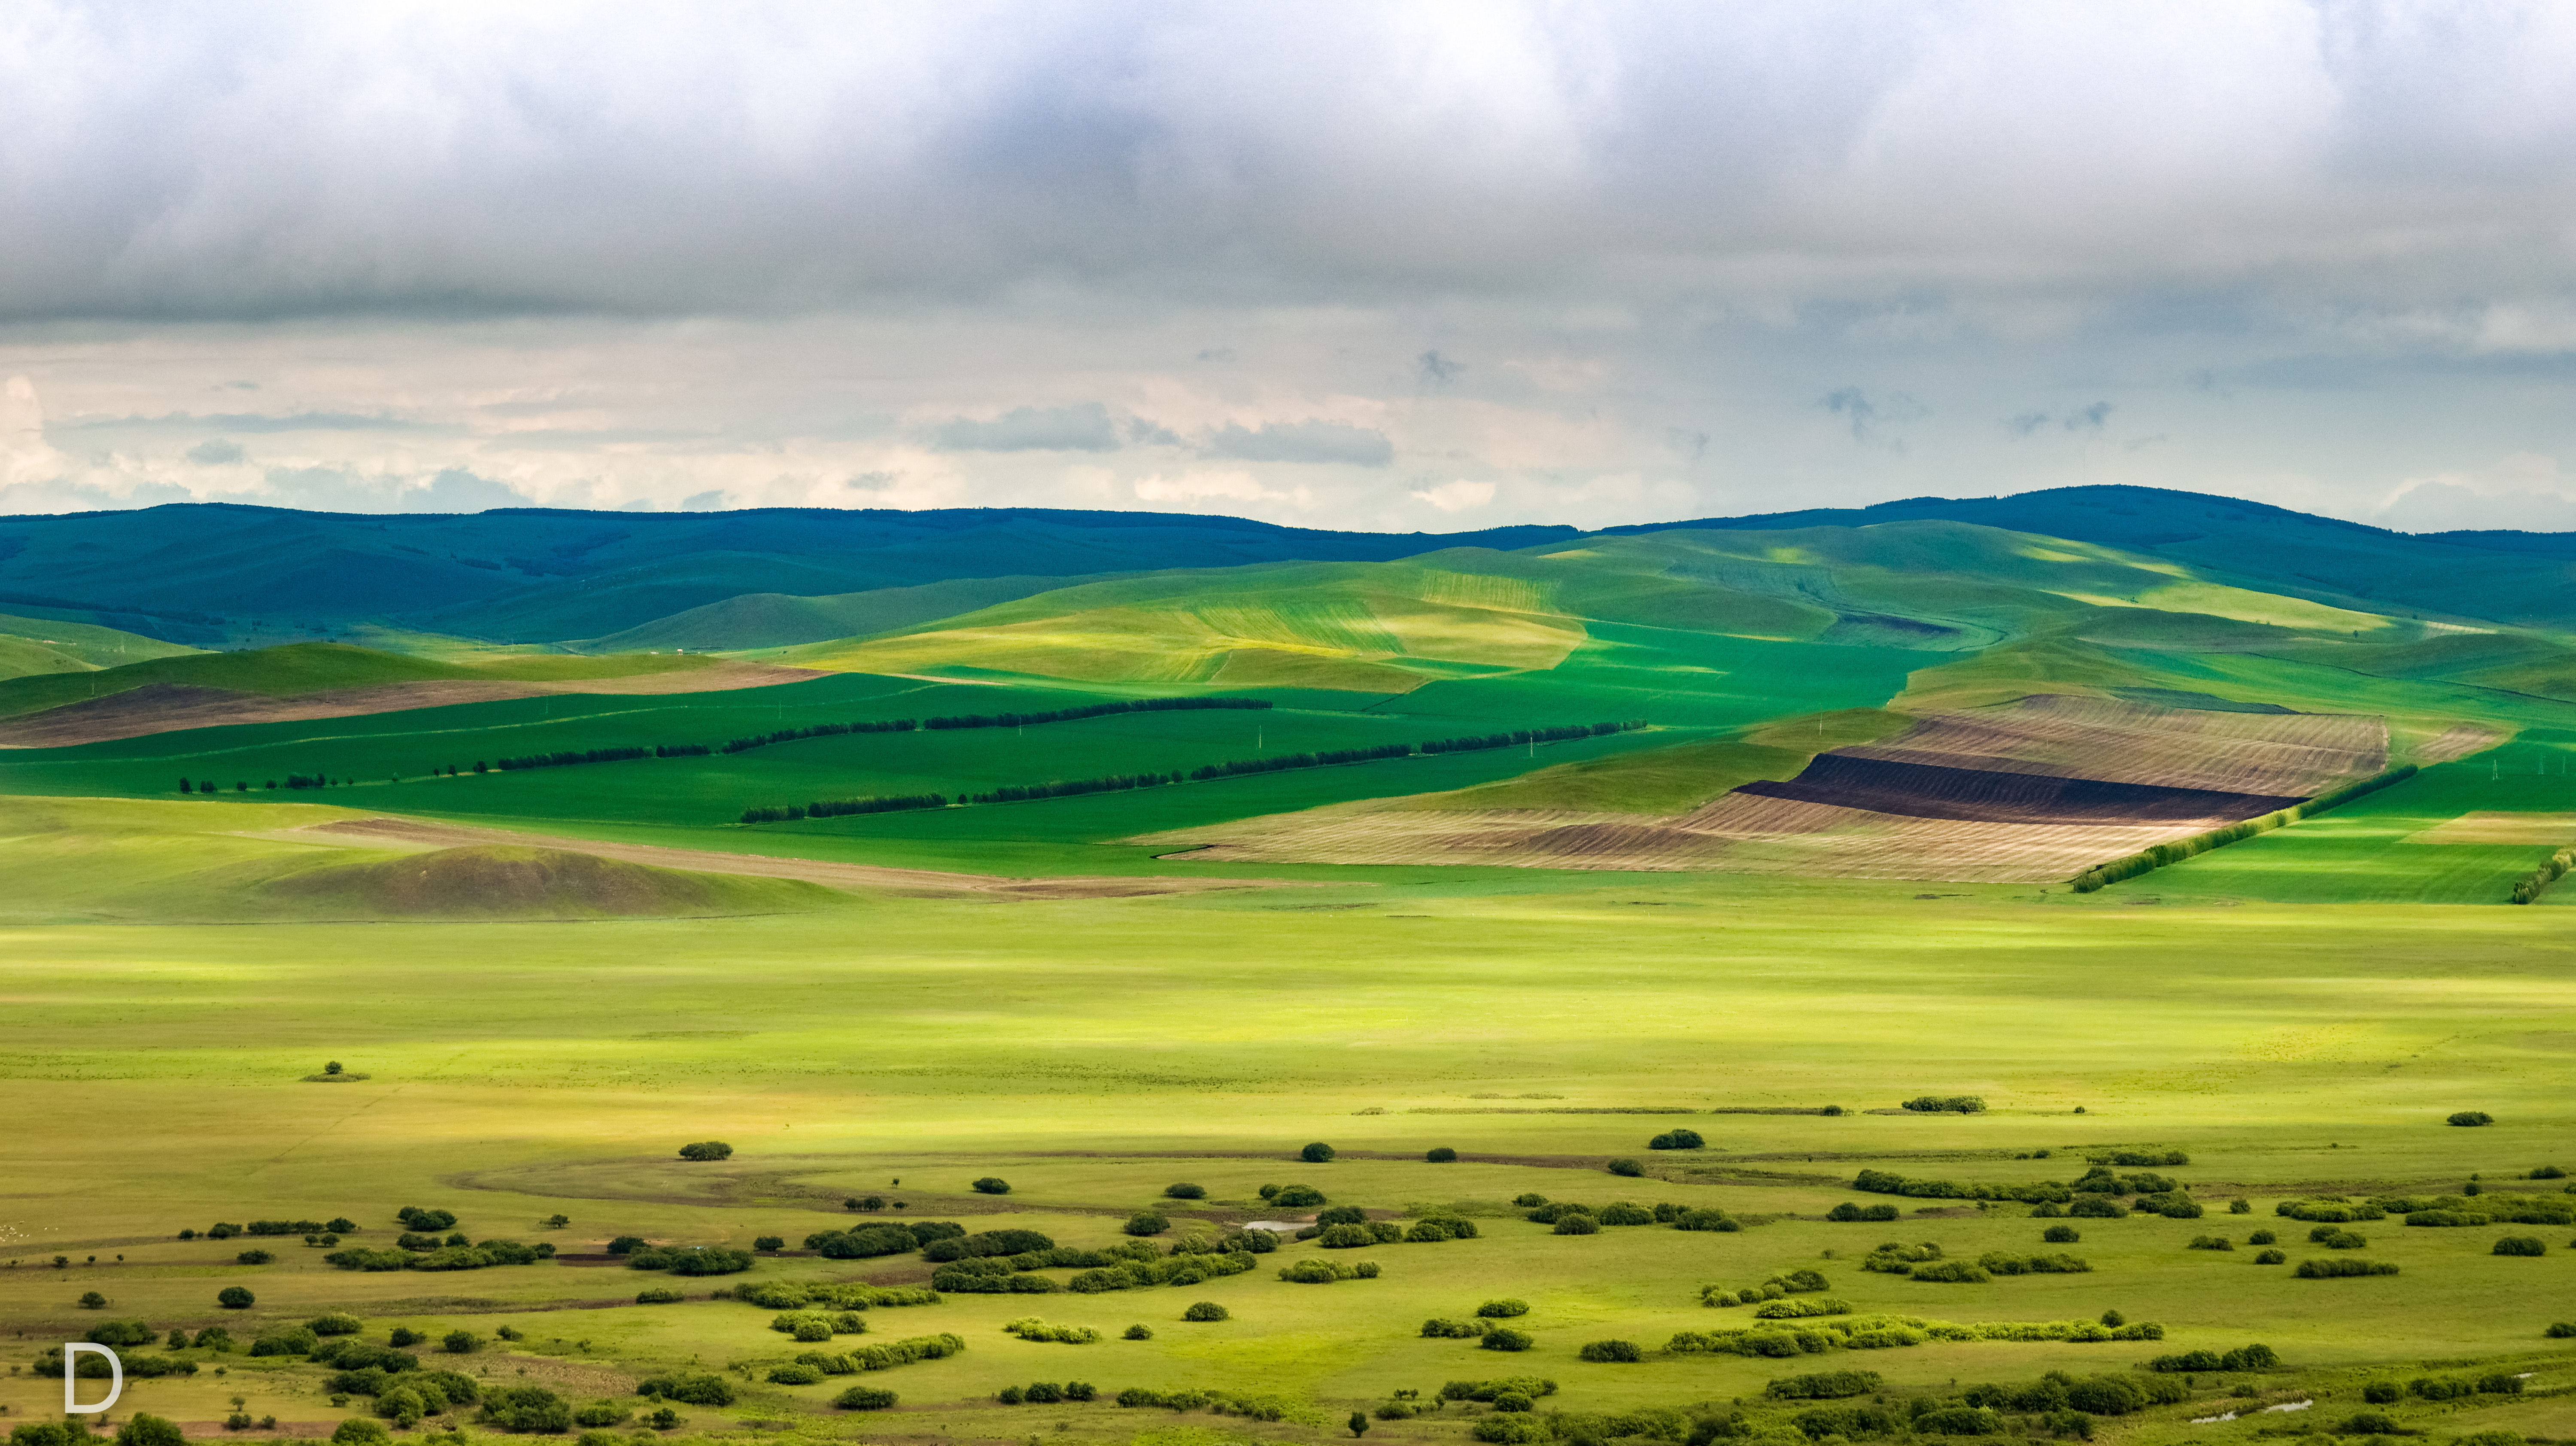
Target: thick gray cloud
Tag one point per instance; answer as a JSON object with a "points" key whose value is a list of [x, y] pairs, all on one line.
{"points": [[1365, 265], [1082, 428], [443, 159], [1303, 442]]}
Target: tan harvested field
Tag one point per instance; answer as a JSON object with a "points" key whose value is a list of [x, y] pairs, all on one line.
{"points": [[1751, 831], [170, 707], [2298, 754], [1741, 833], [2501, 828], [2457, 741]]}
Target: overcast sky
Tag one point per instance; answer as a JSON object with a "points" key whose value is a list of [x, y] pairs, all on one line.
{"points": [[1388, 266]]}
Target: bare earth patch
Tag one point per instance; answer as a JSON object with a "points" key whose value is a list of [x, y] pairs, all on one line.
{"points": [[171, 707], [421, 834]]}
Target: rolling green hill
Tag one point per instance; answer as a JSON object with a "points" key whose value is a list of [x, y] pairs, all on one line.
{"points": [[298, 668]]}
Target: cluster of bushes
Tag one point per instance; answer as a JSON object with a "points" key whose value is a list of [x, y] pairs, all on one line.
{"points": [[1884, 1182], [818, 1325], [2453, 1388], [831, 1295], [436, 1254], [1677, 1140], [2092, 1395], [2211, 1242], [865, 1398], [1314, 1271], [2332, 1269], [689, 1390], [2335, 1237], [1573, 1217], [812, 1366], [1946, 1104], [413, 1217], [2001, 1262], [2455, 1210], [983, 1244], [1187, 1269], [1895, 1258], [1030, 1328], [888, 1238], [1824, 1386], [691, 1259], [2243, 1358], [1880, 1332], [1621, 1352], [2136, 1159], [1046, 1393], [844, 807], [2520, 1245], [1292, 1197], [1850, 1211], [1258, 1408], [1441, 1328], [2333, 1210], [706, 1150], [222, 1230], [1777, 1287]]}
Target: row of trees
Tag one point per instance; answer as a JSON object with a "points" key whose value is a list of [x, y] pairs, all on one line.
{"points": [[990, 720]]}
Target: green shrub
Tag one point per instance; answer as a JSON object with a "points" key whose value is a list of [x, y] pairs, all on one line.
{"points": [[795, 1373], [1677, 1140], [992, 1185], [2381, 1393], [233, 1297], [1503, 1309], [2331, 1269], [1206, 1310], [1824, 1386], [2261, 1237], [460, 1343], [1504, 1338], [1946, 1104], [1316, 1154], [1312, 1271], [1613, 1351], [864, 1398], [2471, 1117], [2549, 1172], [1849, 1211], [254, 1257], [358, 1431], [1577, 1224], [1627, 1213], [691, 1390], [658, 1295], [2210, 1242], [599, 1413], [707, 1150], [2367, 1423], [1185, 1192], [2561, 1330], [2097, 1207], [527, 1408], [1625, 1167], [769, 1242], [1439, 1329], [2520, 1245], [1296, 1197], [2335, 1237], [1951, 1272], [1440, 1154], [1146, 1222], [2270, 1257], [1529, 1202], [2061, 1235]]}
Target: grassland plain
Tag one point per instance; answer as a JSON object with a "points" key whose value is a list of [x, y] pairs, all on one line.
{"points": [[1092, 1052]]}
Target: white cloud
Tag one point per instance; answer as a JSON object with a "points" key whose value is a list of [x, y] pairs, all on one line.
{"points": [[1457, 496]]}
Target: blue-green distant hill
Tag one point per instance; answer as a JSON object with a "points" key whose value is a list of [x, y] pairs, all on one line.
{"points": [[222, 574]]}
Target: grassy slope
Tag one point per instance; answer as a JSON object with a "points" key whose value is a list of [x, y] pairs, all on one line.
{"points": [[82, 859], [42, 645], [561, 1063], [284, 672]]}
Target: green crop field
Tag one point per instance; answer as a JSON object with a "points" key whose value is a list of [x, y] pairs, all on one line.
{"points": [[539, 983]]}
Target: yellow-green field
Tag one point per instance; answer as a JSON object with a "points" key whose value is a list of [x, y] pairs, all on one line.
{"points": [[1093, 1051]]}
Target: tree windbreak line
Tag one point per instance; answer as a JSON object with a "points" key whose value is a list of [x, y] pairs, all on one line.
{"points": [[1234, 768], [877, 725], [2157, 856], [990, 720]]}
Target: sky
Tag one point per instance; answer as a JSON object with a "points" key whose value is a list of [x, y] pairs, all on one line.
{"points": [[1408, 267]]}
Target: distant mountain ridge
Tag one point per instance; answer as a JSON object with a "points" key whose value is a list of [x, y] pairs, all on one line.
{"points": [[187, 572]]}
